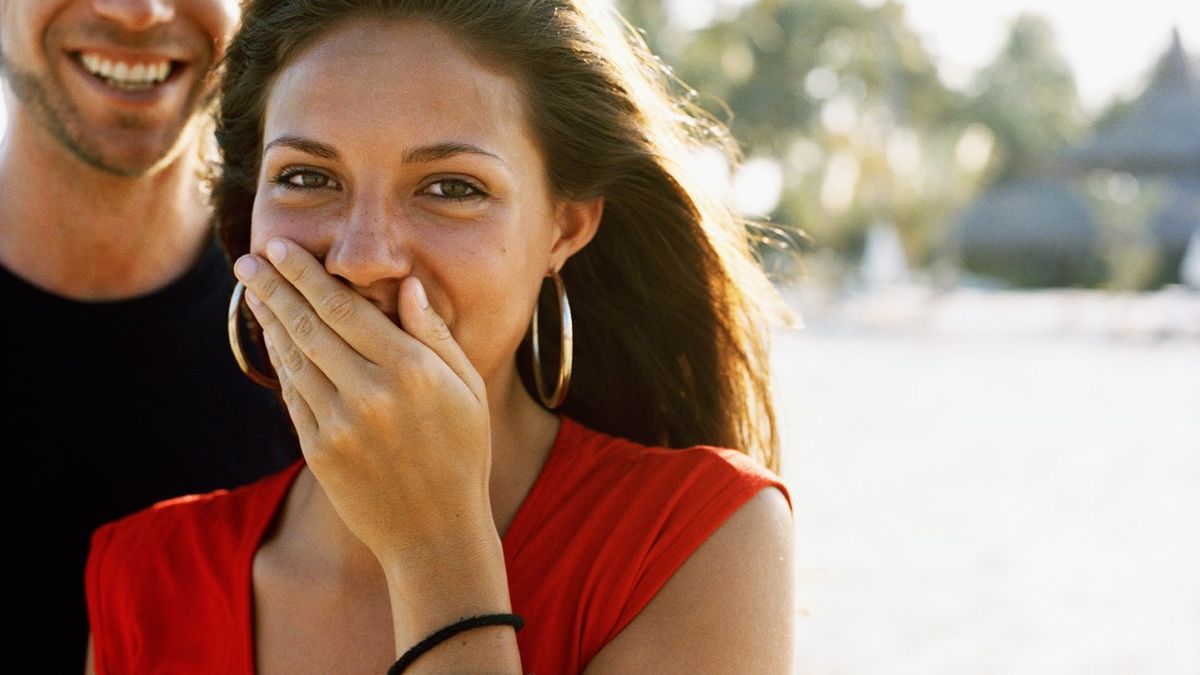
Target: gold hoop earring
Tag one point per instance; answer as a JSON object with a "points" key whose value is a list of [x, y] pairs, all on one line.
{"points": [[554, 400], [235, 342]]}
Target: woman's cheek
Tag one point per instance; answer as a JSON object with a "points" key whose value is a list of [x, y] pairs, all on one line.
{"points": [[309, 228]]}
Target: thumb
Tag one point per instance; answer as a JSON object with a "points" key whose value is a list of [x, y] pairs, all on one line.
{"points": [[419, 319]]}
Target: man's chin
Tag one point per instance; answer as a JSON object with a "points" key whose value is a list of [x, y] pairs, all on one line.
{"points": [[127, 157], [128, 147]]}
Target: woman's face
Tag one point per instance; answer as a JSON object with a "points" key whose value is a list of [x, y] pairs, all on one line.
{"points": [[389, 151]]}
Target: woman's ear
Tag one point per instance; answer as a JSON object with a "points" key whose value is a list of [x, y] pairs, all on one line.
{"points": [[576, 223]]}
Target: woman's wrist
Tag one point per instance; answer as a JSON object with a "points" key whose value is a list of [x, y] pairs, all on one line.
{"points": [[501, 642], [435, 585]]}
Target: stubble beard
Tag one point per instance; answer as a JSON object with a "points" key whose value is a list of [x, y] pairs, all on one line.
{"points": [[59, 117]]}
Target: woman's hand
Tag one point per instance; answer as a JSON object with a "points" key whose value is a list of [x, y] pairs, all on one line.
{"points": [[393, 423]]}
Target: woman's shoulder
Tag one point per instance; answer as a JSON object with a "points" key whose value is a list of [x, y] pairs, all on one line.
{"points": [[645, 496], [700, 470], [599, 491], [609, 522]]}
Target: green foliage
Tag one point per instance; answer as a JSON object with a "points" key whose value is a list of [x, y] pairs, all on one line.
{"points": [[849, 103], [1027, 96]]}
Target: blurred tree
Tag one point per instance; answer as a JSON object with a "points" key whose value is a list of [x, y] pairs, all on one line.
{"points": [[843, 98], [1028, 98], [1033, 226]]}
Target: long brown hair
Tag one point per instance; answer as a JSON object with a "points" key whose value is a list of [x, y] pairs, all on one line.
{"points": [[671, 310]]}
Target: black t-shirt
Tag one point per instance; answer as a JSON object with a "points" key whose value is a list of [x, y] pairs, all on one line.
{"points": [[108, 408]]}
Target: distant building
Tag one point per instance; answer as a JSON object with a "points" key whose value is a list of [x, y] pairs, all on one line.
{"points": [[1032, 233], [1157, 142], [1046, 230]]}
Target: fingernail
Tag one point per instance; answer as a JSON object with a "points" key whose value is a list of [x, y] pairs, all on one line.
{"points": [[276, 250], [419, 294], [246, 267]]}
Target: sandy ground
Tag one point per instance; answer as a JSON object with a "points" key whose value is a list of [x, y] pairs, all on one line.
{"points": [[994, 482]]}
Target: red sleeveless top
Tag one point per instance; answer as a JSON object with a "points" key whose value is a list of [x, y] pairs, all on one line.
{"points": [[604, 526]]}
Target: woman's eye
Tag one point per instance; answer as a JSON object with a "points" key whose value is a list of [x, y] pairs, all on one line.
{"points": [[303, 179], [454, 188]]}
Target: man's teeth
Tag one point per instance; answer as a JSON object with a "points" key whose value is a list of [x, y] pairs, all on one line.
{"points": [[121, 75]]}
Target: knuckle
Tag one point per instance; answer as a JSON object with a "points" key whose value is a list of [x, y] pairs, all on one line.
{"points": [[303, 325], [440, 331], [340, 434], [298, 273], [289, 393], [373, 403], [264, 317], [338, 305], [418, 376], [269, 288], [293, 359], [337, 434]]}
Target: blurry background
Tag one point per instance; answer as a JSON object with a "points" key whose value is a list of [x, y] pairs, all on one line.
{"points": [[989, 223], [955, 141], [987, 217]]}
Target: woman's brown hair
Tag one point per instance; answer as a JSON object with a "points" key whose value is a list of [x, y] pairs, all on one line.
{"points": [[669, 305]]}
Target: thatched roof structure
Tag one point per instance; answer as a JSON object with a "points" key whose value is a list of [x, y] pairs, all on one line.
{"points": [[1036, 232], [1179, 216], [1040, 230], [1160, 134]]}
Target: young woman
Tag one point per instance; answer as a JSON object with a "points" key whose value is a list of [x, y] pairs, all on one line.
{"points": [[519, 347]]}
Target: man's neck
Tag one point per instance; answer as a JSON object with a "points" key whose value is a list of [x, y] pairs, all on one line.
{"points": [[81, 233]]}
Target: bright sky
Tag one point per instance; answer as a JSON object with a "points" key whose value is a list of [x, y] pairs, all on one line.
{"points": [[1110, 45]]}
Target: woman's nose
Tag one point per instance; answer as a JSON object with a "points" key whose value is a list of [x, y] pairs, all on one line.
{"points": [[368, 249], [136, 14]]}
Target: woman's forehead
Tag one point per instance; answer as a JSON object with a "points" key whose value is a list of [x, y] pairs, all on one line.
{"points": [[403, 78]]}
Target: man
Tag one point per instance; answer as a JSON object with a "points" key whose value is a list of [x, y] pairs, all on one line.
{"points": [[119, 385]]}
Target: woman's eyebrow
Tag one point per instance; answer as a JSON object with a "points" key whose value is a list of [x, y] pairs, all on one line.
{"points": [[436, 151], [424, 153], [311, 147]]}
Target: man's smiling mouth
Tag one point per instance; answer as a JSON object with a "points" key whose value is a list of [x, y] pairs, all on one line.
{"points": [[126, 76]]}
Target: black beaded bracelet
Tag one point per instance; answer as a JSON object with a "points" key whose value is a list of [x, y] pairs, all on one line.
{"points": [[443, 634]]}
